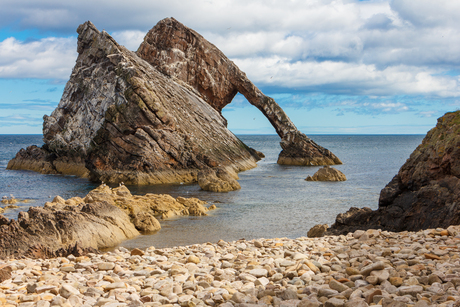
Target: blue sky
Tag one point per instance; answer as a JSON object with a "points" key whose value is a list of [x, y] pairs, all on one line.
{"points": [[345, 66]]}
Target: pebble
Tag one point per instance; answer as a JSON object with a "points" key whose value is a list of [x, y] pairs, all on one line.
{"points": [[364, 268]]}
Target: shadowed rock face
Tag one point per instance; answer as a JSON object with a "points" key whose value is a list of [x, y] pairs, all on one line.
{"points": [[425, 192], [183, 54], [123, 120]]}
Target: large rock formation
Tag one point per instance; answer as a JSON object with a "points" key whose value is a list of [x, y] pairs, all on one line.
{"points": [[158, 120], [45, 231], [425, 192], [120, 119], [103, 218], [182, 53]]}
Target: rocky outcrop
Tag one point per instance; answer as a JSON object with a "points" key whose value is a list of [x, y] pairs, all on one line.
{"points": [[143, 210], [425, 192], [103, 218], [155, 116], [183, 54], [217, 180], [128, 122], [327, 173], [88, 226]]}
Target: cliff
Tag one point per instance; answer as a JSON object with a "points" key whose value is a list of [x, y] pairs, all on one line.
{"points": [[425, 192], [144, 118]]}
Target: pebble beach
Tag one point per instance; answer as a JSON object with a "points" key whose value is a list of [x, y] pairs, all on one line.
{"points": [[365, 268]]}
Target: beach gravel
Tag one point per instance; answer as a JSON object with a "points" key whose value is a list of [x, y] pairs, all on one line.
{"points": [[372, 268]]}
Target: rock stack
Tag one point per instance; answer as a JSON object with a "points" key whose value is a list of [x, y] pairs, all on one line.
{"points": [[155, 116]]}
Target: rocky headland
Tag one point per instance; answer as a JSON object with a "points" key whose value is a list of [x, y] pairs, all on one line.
{"points": [[364, 268], [154, 116], [425, 192], [104, 218]]}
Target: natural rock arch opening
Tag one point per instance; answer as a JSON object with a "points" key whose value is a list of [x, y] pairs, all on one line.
{"points": [[186, 56], [244, 118]]}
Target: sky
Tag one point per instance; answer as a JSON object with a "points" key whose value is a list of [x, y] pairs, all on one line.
{"points": [[335, 67]]}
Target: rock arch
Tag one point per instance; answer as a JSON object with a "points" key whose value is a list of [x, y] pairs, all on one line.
{"points": [[185, 55]]}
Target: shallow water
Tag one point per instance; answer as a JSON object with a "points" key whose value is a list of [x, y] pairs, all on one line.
{"points": [[274, 200]]}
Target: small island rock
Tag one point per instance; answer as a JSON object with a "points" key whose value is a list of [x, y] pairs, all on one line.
{"points": [[327, 173]]}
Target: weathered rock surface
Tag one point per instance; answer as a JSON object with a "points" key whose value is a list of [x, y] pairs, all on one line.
{"points": [[327, 173], [123, 119], [143, 210], [183, 54], [47, 230], [128, 122], [425, 192], [317, 231], [218, 180], [103, 218]]}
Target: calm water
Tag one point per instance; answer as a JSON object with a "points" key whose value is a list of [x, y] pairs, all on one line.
{"points": [[274, 200]]}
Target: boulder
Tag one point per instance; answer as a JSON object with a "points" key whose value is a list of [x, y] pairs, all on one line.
{"points": [[154, 116], [217, 180], [146, 223], [317, 231], [327, 173], [424, 193]]}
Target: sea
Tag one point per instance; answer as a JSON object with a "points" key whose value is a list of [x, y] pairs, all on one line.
{"points": [[275, 201]]}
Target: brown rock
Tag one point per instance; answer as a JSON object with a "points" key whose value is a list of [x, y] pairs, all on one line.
{"points": [[327, 173], [137, 252], [317, 231], [42, 232], [5, 272], [431, 256], [122, 118], [424, 193], [146, 223], [184, 54], [396, 281], [217, 180]]}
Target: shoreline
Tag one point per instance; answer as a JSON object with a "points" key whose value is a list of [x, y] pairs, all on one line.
{"points": [[360, 269]]}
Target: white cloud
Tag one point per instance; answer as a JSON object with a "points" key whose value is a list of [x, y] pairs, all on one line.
{"points": [[130, 39], [350, 47], [48, 58]]}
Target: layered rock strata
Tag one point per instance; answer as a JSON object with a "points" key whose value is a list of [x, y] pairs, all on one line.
{"points": [[121, 120], [103, 218], [183, 54], [425, 192], [45, 231]]}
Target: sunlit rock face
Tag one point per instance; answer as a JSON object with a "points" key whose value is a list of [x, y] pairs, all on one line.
{"points": [[154, 116], [183, 54]]}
